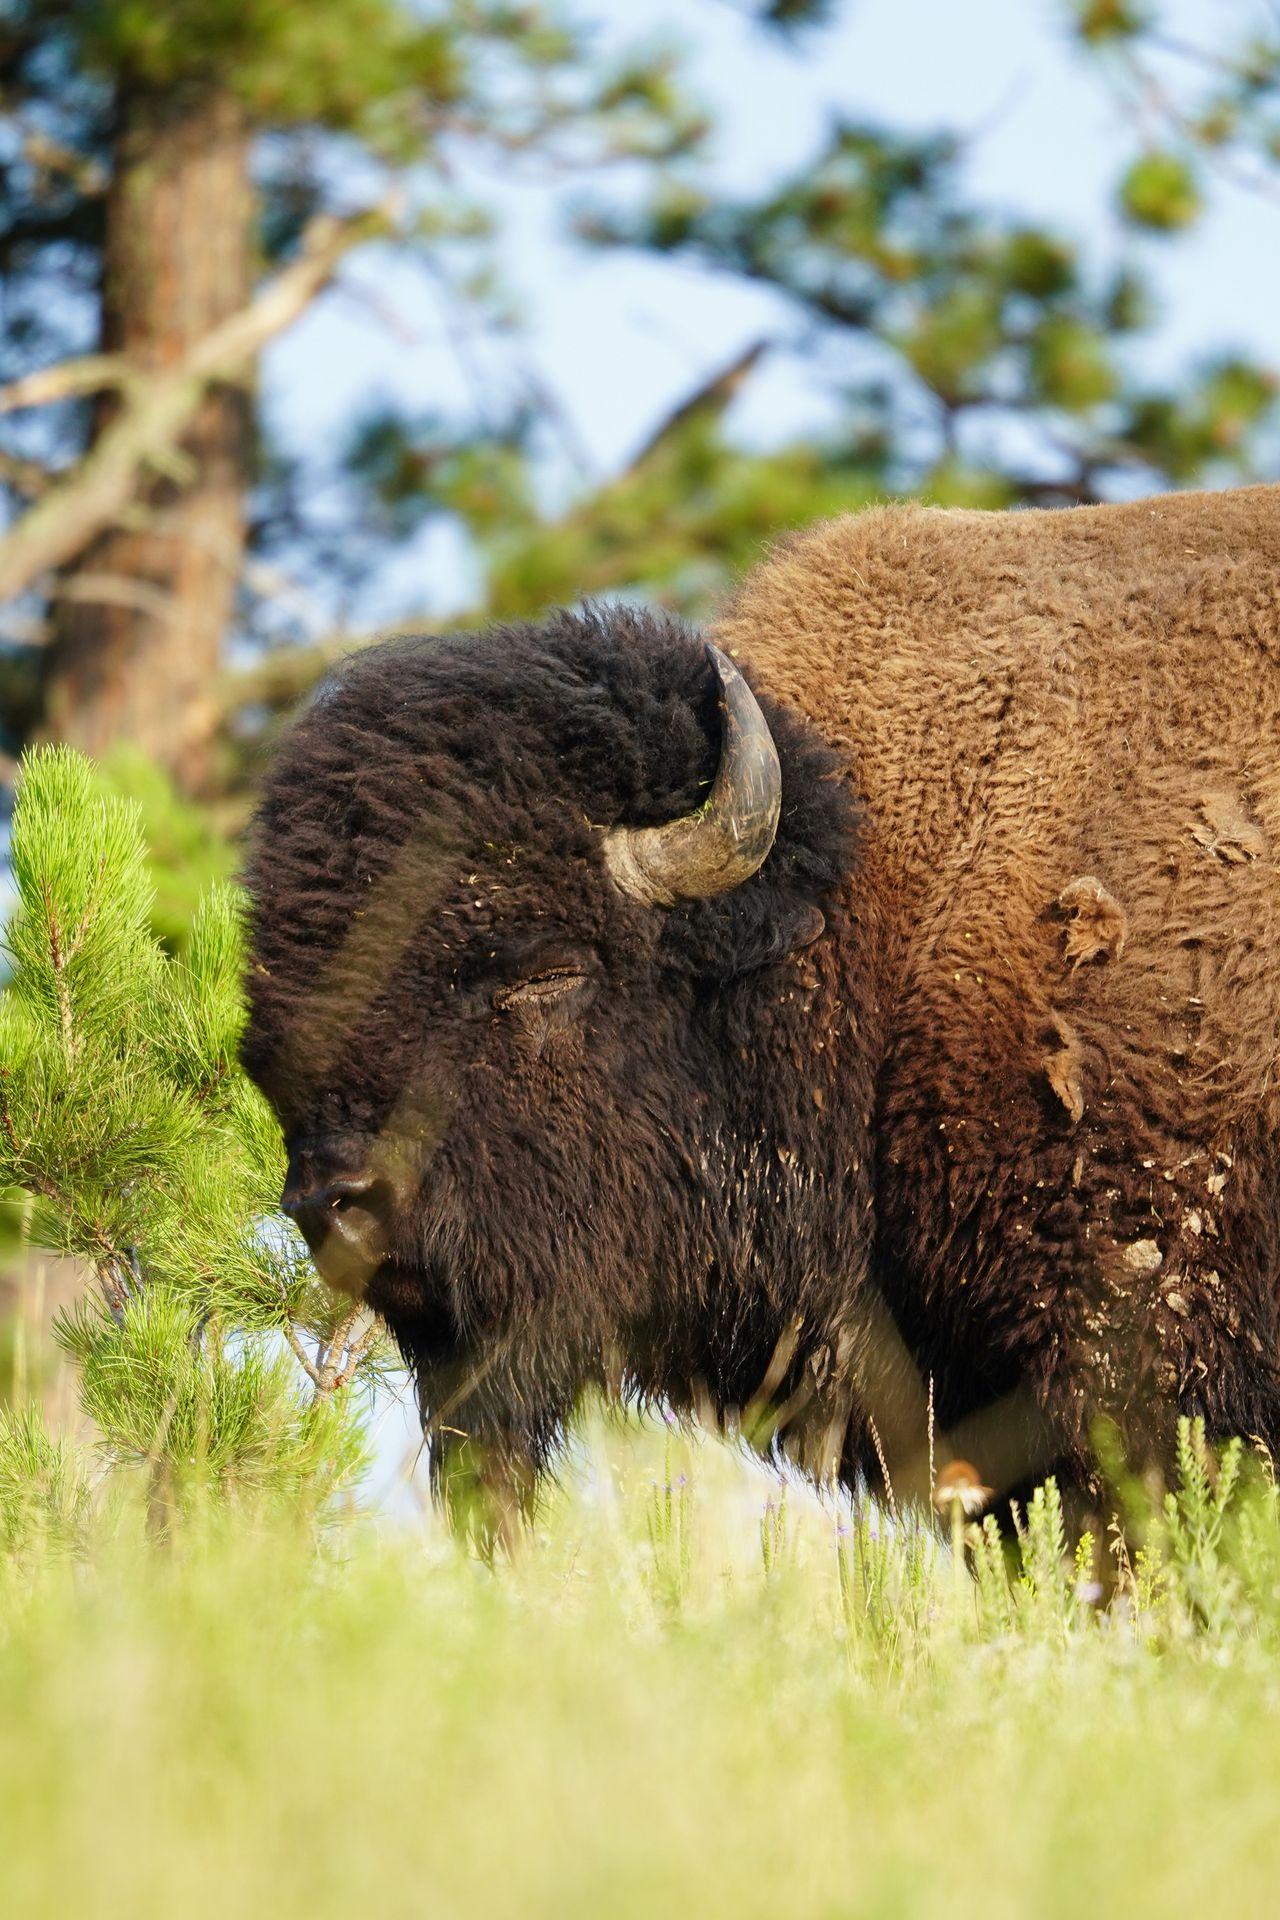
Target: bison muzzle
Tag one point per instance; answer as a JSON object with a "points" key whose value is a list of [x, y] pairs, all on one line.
{"points": [[868, 1019]]}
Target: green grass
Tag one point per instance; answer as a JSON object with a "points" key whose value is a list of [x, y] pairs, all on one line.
{"points": [[697, 1692]]}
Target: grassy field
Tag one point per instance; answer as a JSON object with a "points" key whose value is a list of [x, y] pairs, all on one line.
{"points": [[697, 1692]]}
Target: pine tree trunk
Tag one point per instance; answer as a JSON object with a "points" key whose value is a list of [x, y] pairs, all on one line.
{"points": [[141, 614]]}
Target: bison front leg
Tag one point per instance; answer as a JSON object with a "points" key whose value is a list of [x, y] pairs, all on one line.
{"points": [[487, 1492], [486, 1447]]}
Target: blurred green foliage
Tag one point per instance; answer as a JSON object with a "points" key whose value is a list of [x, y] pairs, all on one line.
{"points": [[1099, 21], [185, 852], [349, 103], [1203, 95], [965, 353], [988, 324], [1160, 190], [335, 62]]}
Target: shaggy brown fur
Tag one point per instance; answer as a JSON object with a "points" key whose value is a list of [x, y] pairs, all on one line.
{"points": [[1065, 730], [1005, 1131]]}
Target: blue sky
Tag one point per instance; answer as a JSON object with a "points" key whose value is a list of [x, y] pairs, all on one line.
{"points": [[621, 339]]}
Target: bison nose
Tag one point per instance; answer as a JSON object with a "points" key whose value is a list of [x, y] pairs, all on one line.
{"points": [[344, 1224]]}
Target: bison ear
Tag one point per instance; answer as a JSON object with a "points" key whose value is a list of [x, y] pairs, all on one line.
{"points": [[789, 933], [721, 946], [811, 924]]}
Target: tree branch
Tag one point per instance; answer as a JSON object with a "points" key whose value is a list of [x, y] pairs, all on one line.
{"points": [[351, 1340], [49, 156], [69, 380], [712, 397], [156, 409], [27, 477], [114, 590], [300, 1353]]}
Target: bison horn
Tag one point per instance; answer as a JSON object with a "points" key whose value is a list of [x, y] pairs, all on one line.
{"points": [[729, 836]]}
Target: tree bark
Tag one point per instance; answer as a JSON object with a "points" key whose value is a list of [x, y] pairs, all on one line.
{"points": [[141, 613]]}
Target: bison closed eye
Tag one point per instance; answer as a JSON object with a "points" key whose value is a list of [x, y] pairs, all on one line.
{"points": [[812, 1024]]}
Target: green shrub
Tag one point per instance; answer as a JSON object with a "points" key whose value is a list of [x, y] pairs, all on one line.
{"points": [[206, 1348]]}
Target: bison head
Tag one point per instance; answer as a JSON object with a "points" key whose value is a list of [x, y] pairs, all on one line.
{"points": [[523, 903]]}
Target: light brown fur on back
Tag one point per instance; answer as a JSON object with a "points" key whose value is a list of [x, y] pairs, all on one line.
{"points": [[1065, 728]]}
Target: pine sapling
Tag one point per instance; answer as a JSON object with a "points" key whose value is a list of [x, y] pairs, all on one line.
{"points": [[207, 1348]]}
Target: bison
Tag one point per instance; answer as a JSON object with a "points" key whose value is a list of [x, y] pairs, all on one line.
{"points": [[860, 1023]]}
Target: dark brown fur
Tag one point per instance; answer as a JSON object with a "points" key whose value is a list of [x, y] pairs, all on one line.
{"points": [[1008, 1126]]}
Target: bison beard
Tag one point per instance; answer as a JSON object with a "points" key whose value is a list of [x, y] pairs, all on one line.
{"points": [[961, 1090]]}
